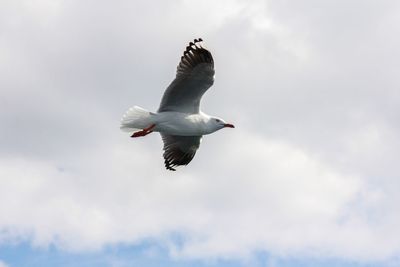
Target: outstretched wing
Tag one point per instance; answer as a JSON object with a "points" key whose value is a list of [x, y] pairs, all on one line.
{"points": [[195, 74], [179, 150]]}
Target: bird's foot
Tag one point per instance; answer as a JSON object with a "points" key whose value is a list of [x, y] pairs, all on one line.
{"points": [[144, 132], [140, 133]]}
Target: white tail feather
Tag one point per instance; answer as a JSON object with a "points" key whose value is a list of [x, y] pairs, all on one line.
{"points": [[136, 118]]}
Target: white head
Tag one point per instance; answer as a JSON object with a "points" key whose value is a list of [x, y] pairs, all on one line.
{"points": [[215, 124]]}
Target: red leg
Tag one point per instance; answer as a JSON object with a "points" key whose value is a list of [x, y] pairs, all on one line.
{"points": [[144, 132]]}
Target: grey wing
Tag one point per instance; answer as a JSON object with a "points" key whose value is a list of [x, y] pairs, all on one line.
{"points": [[179, 150], [195, 74]]}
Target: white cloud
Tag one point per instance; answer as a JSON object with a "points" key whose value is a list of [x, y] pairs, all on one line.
{"points": [[3, 264], [310, 169], [254, 195]]}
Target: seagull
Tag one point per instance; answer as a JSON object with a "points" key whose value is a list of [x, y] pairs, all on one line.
{"points": [[179, 119]]}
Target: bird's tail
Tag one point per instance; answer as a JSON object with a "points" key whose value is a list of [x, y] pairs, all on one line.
{"points": [[136, 118]]}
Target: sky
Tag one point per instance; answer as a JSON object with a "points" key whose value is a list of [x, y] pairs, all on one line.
{"points": [[309, 176]]}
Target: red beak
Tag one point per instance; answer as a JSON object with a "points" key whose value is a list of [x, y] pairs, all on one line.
{"points": [[229, 125]]}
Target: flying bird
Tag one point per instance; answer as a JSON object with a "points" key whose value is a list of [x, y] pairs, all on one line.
{"points": [[179, 119]]}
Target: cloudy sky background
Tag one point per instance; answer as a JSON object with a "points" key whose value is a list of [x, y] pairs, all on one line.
{"points": [[309, 177]]}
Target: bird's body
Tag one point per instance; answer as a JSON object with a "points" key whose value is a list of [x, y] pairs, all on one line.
{"points": [[184, 124], [175, 123], [179, 119]]}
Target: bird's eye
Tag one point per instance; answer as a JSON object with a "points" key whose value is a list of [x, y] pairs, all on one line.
{"points": [[217, 120]]}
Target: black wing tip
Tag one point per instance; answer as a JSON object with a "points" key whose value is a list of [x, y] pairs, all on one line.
{"points": [[195, 54], [169, 168], [169, 165], [171, 162], [177, 158], [197, 43]]}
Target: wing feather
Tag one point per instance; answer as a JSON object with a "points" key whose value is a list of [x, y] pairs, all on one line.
{"points": [[179, 150], [194, 75]]}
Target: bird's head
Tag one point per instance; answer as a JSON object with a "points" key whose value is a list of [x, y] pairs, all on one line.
{"points": [[218, 123]]}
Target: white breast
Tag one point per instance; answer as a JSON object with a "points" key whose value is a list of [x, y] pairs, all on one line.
{"points": [[176, 123]]}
